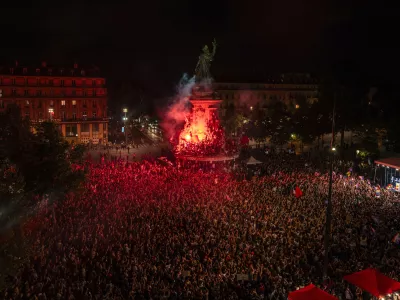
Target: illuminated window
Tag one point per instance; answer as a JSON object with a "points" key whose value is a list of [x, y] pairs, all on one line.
{"points": [[62, 102], [73, 102], [84, 114], [26, 102], [51, 113]]}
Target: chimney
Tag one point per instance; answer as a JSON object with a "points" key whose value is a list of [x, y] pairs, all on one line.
{"points": [[44, 64]]}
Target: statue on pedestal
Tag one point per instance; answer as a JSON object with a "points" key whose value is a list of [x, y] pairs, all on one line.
{"points": [[203, 65], [203, 89]]}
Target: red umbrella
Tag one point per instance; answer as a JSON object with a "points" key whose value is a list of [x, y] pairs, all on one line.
{"points": [[310, 292], [374, 282]]}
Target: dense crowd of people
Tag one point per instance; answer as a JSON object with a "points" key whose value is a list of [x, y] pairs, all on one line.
{"points": [[153, 231]]}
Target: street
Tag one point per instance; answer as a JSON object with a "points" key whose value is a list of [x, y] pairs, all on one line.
{"points": [[134, 154]]}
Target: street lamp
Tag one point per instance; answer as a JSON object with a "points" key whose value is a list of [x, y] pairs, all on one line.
{"points": [[328, 219], [125, 118]]}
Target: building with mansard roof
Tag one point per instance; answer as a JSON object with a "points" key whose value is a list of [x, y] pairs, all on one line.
{"points": [[74, 97]]}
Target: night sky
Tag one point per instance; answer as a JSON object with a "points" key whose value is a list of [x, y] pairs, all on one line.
{"points": [[150, 44]]}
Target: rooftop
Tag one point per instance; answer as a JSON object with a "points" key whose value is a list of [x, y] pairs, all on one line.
{"points": [[285, 78], [45, 69]]}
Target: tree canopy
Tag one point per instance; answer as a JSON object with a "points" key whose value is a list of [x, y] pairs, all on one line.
{"points": [[34, 162]]}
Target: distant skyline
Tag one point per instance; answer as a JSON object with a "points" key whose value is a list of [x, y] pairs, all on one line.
{"points": [[152, 43]]}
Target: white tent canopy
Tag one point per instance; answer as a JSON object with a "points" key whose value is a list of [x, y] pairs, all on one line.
{"points": [[253, 161]]}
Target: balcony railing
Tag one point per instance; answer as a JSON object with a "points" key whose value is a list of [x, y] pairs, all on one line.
{"points": [[79, 120], [71, 134], [94, 95], [52, 85]]}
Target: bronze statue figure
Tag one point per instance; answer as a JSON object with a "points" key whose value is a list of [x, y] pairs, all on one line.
{"points": [[203, 65]]}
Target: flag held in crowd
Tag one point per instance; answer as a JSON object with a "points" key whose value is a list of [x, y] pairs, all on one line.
{"points": [[298, 192]]}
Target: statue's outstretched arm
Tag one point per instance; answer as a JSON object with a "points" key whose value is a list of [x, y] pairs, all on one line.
{"points": [[214, 43]]}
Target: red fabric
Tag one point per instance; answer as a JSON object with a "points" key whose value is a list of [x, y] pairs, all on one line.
{"points": [[310, 292], [297, 192], [374, 282]]}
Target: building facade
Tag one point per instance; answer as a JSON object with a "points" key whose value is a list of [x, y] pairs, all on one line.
{"points": [[286, 88], [73, 97]]}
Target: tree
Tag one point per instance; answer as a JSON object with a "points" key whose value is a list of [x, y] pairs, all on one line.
{"points": [[12, 186], [49, 168], [34, 163], [278, 123], [307, 120], [232, 121]]}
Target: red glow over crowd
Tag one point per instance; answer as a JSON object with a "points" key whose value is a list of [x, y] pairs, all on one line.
{"points": [[201, 136], [148, 231]]}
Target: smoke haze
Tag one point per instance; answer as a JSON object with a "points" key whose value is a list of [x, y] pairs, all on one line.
{"points": [[176, 113]]}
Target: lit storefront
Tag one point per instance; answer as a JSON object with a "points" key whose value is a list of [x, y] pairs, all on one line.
{"points": [[389, 172]]}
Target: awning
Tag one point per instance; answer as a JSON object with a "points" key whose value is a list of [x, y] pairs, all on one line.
{"points": [[310, 292], [391, 162], [374, 282]]}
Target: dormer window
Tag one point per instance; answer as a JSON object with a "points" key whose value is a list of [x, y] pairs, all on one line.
{"points": [[83, 72], [12, 70], [37, 71], [61, 71], [50, 71], [72, 72], [25, 70]]}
